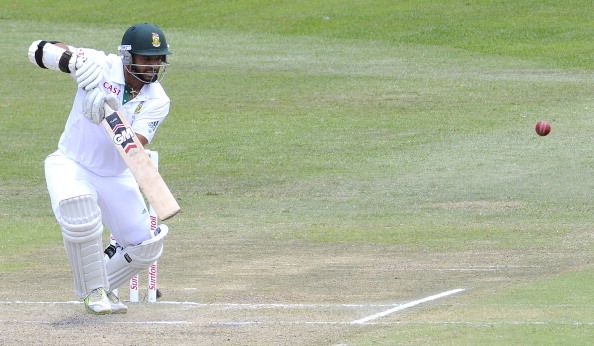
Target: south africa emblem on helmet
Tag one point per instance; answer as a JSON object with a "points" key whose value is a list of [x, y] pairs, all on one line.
{"points": [[156, 40]]}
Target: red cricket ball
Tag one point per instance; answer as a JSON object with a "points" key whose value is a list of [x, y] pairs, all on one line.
{"points": [[542, 128]]}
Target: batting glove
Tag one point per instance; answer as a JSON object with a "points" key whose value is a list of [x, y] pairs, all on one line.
{"points": [[89, 71], [94, 104]]}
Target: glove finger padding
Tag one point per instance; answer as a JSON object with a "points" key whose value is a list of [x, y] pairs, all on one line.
{"points": [[89, 74], [112, 102], [98, 112], [88, 102], [93, 105]]}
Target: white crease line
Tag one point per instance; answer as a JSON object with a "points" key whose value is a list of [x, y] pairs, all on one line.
{"points": [[420, 323], [42, 303], [103, 322], [275, 305], [407, 305], [225, 305], [477, 324], [152, 322]]}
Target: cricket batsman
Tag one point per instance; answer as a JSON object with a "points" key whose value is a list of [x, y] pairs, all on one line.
{"points": [[89, 184]]}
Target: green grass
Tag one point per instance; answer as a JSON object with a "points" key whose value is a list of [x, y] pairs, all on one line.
{"points": [[404, 124], [550, 311], [556, 33]]}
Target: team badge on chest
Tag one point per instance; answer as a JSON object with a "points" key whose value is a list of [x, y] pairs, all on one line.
{"points": [[139, 107]]}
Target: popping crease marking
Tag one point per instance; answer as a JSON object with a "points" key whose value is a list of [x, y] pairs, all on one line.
{"points": [[390, 323], [227, 305], [365, 320], [407, 305]]}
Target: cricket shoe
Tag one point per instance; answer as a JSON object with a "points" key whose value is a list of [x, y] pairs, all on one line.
{"points": [[97, 302], [117, 307]]}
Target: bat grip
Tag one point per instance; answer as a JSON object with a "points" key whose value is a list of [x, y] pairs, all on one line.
{"points": [[107, 109]]}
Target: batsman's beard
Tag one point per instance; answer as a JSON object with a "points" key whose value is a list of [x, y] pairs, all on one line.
{"points": [[147, 74]]}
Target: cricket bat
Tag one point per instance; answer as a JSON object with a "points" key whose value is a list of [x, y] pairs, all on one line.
{"points": [[146, 174]]}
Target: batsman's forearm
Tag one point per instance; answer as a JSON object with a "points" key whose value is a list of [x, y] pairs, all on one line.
{"points": [[52, 55]]}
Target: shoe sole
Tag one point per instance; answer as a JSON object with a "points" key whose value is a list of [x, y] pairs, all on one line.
{"points": [[93, 312]]}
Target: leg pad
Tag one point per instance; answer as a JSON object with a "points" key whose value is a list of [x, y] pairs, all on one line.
{"points": [[132, 259], [80, 218]]}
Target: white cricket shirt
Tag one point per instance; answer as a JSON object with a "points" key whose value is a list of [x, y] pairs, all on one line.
{"points": [[87, 143]]}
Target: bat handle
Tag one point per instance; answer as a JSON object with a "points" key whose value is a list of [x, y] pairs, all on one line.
{"points": [[107, 109]]}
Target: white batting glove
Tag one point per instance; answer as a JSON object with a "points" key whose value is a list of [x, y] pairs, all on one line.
{"points": [[89, 71], [112, 102], [94, 104]]}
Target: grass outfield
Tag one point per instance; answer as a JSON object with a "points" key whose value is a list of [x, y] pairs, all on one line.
{"points": [[397, 132]]}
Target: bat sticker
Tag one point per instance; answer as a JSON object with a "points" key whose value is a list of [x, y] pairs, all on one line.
{"points": [[122, 135]]}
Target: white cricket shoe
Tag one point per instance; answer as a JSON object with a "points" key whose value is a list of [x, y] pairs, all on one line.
{"points": [[117, 307], [97, 302]]}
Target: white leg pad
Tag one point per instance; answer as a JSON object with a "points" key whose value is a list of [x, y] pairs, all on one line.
{"points": [[82, 229], [132, 259]]}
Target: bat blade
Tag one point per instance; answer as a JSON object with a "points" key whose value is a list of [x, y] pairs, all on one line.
{"points": [[147, 176]]}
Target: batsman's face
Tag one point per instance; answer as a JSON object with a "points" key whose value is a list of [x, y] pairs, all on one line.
{"points": [[146, 67]]}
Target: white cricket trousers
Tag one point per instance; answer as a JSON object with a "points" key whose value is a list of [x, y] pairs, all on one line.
{"points": [[123, 209]]}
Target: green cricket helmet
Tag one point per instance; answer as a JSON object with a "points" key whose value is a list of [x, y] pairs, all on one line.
{"points": [[148, 40]]}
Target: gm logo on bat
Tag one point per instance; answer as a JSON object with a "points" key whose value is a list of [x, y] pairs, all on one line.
{"points": [[122, 135]]}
